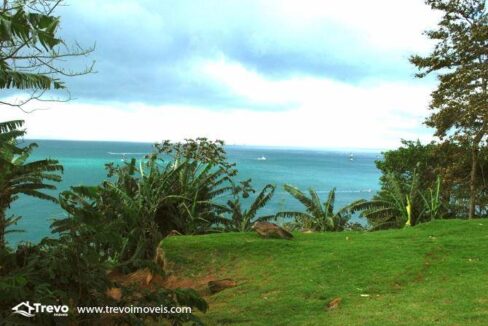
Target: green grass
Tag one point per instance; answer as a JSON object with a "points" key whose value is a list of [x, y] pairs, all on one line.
{"points": [[431, 274]]}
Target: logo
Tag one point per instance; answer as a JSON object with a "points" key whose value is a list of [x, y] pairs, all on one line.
{"points": [[27, 310], [24, 309]]}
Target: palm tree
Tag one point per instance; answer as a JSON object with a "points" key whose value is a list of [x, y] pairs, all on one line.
{"points": [[317, 216], [18, 176], [242, 220]]}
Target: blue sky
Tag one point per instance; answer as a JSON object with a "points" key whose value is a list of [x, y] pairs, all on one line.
{"points": [[271, 72]]}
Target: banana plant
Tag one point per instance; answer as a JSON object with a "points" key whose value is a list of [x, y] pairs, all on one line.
{"points": [[433, 201], [395, 206], [317, 216], [241, 220], [19, 176]]}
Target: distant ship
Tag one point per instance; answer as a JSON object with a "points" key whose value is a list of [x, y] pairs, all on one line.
{"points": [[351, 157], [262, 158], [124, 155]]}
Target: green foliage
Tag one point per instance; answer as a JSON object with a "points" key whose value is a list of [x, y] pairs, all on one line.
{"points": [[240, 219], [392, 206], [198, 186], [412, 157], [433, 201], [448, 161], [124, 213], [32, 56], [203, 176], [317, 216], [199, 150], [34, 30], [20, 176], [459, 59], [175, 188], [71, 270], [400, 204], [111, 227]]}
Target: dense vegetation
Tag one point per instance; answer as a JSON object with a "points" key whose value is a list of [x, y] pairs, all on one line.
{"points": [[110, 229]]}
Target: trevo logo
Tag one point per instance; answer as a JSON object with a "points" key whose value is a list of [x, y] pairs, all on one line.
{"points": [[27, 310]]}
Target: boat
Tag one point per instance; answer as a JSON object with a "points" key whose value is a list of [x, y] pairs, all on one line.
{"points": [[262, 158], [123, 159], [351, 157]]}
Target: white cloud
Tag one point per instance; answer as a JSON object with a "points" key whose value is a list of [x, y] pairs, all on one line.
{"points": [[321, 112], [383, 24], [324, 113]]}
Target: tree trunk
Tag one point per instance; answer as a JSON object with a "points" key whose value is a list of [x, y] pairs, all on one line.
{"points": [[472, 181], [473, 175]]}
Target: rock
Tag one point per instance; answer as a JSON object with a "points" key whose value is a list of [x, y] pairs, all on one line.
{"points": [[219, 285], [334, 303], [271, 230]]}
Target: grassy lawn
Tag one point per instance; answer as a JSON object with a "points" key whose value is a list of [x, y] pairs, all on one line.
{"points": [[432, 274]]}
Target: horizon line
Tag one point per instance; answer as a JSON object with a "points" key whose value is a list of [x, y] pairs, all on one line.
{"points": [[263, 146]]}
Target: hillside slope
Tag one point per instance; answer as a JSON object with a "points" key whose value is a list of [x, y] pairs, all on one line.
{"points": [[431, 274]]}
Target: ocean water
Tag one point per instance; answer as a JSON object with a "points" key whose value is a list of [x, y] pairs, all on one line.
{"points": [[84, 164]]}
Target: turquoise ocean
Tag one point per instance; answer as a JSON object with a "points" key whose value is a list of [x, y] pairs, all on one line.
{"points": [[353, 174]]}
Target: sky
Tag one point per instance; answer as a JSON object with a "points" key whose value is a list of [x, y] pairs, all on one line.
{"points": [[321, 74]]}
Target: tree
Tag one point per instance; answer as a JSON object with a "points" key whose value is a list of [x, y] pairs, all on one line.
{"points": [[317, 216], [410, 157], [18, 176], [31, 54], [460, 59]]}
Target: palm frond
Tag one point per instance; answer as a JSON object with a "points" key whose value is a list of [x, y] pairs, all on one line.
{"points": [[8, 126], [25, 80], [261, 200], [329, 204], [40, 195], [300, 196]]}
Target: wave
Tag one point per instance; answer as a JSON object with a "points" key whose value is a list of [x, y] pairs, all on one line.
{"points": [[337, 191], [350, 191], [114, 153]]}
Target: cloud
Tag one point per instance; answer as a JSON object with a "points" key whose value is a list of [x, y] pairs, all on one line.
{"points": [[258, 72], [321, 113], [149, 50]]}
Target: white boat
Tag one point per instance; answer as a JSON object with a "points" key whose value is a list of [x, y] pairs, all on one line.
{"points": [[262, 158], [351, 157]]}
